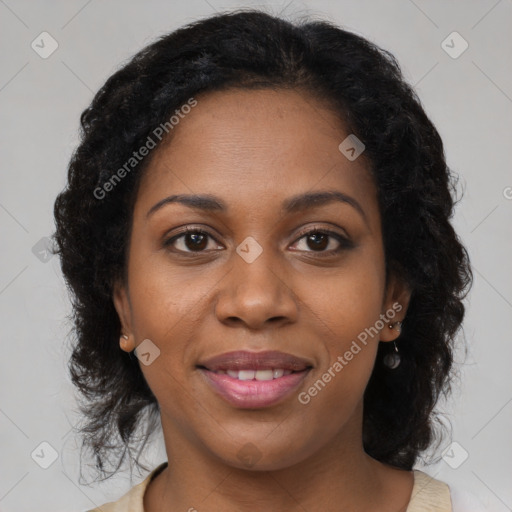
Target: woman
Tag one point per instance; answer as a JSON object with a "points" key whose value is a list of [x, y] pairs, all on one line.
{"points": [[256, 234]]}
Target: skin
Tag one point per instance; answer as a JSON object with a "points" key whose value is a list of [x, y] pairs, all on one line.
{"points": [[253, 149]]}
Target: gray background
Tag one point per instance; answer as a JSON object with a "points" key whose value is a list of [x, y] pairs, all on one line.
{"points": [[469, 100]]}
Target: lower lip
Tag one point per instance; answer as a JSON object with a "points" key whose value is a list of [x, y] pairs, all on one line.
{"points": [[253, 394]]}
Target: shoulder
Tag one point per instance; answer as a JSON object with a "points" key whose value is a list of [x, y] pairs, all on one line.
{"points": [[133, 500], [431, 494]]}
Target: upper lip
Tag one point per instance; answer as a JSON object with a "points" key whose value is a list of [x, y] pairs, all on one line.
{"points": [[244, 360]]}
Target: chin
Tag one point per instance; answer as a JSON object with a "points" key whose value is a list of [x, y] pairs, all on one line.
{"points": [[264, 456]]}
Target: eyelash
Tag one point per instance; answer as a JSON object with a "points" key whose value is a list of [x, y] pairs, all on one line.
{"points": [[344, 242]]}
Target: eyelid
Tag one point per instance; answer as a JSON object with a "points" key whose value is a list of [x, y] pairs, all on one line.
{"points": [[188, 228], [169, 240], [327, 231], [191, 228], [344, 241]]}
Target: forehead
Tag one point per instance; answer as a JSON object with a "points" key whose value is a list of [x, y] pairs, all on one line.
{"points": [[247, 144]]}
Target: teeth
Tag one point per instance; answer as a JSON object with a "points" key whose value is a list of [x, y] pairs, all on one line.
{"points": [[264, 375], [246, 374], [256, 374]]}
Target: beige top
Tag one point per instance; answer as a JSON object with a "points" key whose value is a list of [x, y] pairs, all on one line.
{"points": [[428, 495]]}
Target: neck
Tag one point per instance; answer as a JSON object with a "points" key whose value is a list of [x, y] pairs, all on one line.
{"points": [[339, 475]]}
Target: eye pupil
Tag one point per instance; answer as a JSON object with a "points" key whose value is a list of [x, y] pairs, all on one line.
{"points": [[319, 240], [196, 237], [197, 241]]}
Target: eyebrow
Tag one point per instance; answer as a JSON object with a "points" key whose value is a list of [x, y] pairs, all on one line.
{"points": [[293, 204]]}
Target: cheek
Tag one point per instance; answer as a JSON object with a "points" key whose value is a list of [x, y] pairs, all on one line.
{"points": [[337, 386], [346, 311], [165, 298], [169, 304], [349, 302]]}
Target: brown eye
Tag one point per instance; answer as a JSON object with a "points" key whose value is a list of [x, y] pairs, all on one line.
{"points": [[195, 241], [191, 240], [323, 242], [318, 241]]}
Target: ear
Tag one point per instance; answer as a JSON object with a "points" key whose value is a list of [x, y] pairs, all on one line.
{"points": [[122, 305], [394, 308]]}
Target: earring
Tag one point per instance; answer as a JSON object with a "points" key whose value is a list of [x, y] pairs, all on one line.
{"points": [[392, 360], [399, 324]]}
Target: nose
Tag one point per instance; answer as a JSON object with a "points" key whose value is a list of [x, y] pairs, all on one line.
{"points": [[256, 294]]}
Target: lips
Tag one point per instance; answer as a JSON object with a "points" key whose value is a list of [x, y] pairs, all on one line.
{"points": [[244, 360], [251, 380]]}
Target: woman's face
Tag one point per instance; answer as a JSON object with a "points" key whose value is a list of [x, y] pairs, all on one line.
{"points": [[253, 280]]}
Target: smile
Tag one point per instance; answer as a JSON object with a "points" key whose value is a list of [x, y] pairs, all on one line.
{"points": [[251, 380], [249, 389], [274, 373]]}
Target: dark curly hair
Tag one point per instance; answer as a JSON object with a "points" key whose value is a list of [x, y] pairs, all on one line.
{"points": [[363, 84]]}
